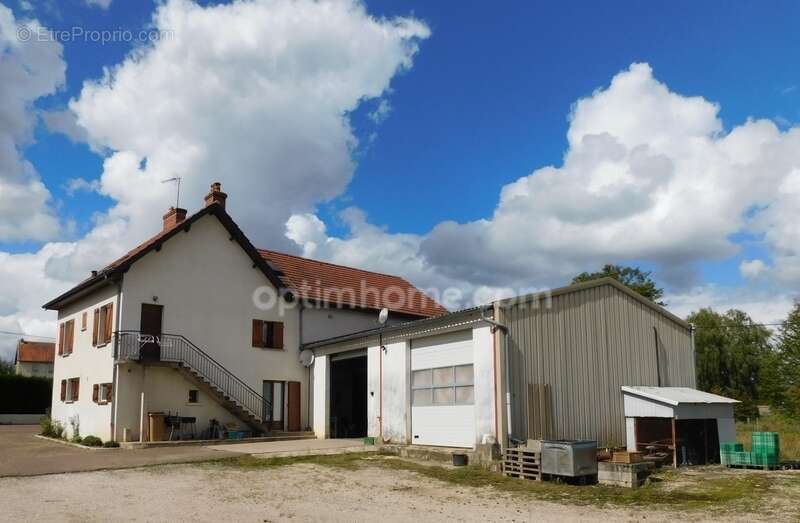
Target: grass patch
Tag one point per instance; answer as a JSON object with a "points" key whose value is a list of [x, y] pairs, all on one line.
{"points": [[789, 430], [698, 489], [702, 492]]}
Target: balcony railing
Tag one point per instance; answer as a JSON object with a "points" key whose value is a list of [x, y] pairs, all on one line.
{"points": [[174, 348]]}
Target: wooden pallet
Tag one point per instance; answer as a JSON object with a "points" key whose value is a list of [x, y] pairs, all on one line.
{"points": [[522, 463]]}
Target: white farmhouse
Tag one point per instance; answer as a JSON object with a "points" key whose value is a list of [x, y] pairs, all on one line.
{"points": [[198, 324]]}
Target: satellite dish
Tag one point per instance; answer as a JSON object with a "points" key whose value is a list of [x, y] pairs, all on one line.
{"points": [[306, 358], [383, 315]]}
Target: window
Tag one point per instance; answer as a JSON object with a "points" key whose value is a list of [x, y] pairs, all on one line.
{"points": [[194, 396], [84, 317], [103, 321], [70, 389], [66, 337], [102, 393], [268, 334], [443, 386]]}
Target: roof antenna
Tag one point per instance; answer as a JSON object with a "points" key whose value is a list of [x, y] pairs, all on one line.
{"points": [[178, 198]]}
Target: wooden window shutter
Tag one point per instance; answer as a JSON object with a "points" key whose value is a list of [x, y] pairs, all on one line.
{"points": [[109, 321], [76, 388], [61, 338], [258, 335], [95, 392], [70, 335], [63, 390], [95, 326], [83, 321], [277, 335], [109, 394]]}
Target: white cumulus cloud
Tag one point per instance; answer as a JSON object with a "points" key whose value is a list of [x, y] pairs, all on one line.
{"points": [[649, 175], [255, 94], [30, 68]]}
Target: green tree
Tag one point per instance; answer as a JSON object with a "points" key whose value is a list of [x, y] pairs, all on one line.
{"points": [[729, 353], [635, 278], [6, 367], [781, 376]]}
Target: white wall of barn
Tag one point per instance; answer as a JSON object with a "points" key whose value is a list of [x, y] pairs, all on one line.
{"points": [[389, 410]]}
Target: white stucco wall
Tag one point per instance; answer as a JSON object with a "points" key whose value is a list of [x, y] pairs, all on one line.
{"points": [[321, 409], [34, 369], [205, 282], [483, 357], [90, 364], [323, 323]]}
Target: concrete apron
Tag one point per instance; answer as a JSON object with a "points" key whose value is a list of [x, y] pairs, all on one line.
{"points": [[296, 448]]}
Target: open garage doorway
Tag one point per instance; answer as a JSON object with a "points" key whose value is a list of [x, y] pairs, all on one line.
{"points": [[348, 414]]}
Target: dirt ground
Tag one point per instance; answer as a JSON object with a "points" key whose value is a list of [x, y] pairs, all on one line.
{"points": [[300, 492]]}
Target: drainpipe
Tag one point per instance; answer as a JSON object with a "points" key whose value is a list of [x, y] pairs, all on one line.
{"points": [[507, 359]]}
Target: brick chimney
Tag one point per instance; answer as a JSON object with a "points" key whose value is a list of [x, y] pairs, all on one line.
{"points": [[173, 217], [215, 195]]}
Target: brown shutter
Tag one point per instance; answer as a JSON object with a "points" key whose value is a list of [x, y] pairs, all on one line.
{"points": [[95, 326], [76, 389], [277, 335], [109, 394], [63, 390], [83, 321], [70, 335], [61, 339], [109, 321], [95, 392], [258, 336]]}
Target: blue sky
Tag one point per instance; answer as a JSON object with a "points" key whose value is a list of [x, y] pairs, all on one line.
{"points": [[486, 101]]}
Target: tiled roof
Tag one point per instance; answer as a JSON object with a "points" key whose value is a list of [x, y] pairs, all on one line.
{"points": [[340, 285], [306, 279], [35, 352]]}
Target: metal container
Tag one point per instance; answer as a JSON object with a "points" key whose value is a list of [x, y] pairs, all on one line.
{"points": [[571, 458]]}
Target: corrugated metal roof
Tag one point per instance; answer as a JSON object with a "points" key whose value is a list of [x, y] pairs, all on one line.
{"points": [[677, 395]]}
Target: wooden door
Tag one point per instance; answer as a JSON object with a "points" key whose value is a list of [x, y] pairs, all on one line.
{"points": [[151, 325], [293, 416]]}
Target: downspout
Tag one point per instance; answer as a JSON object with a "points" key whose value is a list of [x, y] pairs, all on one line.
{"points": [[507, 360], [692, 329], [115, 374]]}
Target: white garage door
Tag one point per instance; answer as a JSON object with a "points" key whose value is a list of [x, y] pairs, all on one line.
{"points": [[442, 394]]}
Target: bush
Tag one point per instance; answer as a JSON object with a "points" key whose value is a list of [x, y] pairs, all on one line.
{"points": [[25, 395], [51, 429], [77, 439], [111, 444], [92, 441]]}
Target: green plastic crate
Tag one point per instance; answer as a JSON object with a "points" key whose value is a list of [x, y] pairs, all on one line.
{"points": [[731, 447], [742, 458], [765, 459], [767, 443]]}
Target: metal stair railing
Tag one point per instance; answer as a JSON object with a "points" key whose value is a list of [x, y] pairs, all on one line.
{"points": [[175, 348]]}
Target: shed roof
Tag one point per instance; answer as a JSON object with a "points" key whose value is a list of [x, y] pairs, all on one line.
{"points": [[677, 395]]}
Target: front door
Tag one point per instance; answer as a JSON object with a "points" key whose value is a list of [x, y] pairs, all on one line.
{"points": [[293, 416], [151, 325]]}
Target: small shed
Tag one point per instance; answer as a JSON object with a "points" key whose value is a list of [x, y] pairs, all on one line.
{"points": [[687, 422]]}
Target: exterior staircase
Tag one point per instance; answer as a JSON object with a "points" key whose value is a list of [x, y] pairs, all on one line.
{"points": [[193, 363]]}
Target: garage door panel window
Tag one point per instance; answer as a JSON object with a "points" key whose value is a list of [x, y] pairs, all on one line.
{"points": [[443, 386], [422, 378]]}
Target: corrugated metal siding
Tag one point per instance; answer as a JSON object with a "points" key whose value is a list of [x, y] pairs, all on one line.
{"points": [[586, 345]]}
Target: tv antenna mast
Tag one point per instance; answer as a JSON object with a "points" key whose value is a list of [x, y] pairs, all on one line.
{"points": [[176, 179]]}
